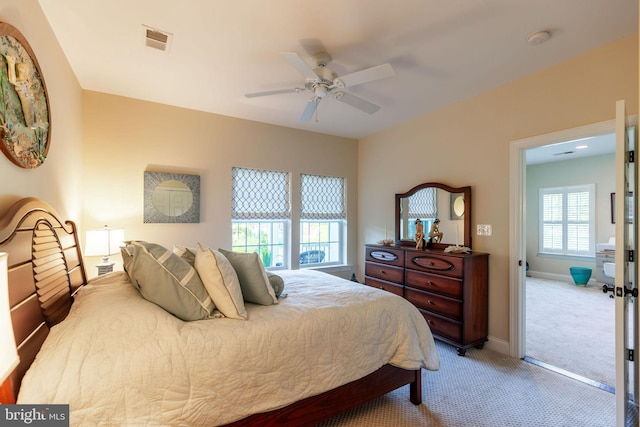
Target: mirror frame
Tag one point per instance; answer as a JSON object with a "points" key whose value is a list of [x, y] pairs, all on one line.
{"points": [[153, 179], [466, 191]]}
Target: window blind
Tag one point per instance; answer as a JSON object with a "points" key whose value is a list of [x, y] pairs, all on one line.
{"points": [[260, 194], [423, 204], [322, 197]]}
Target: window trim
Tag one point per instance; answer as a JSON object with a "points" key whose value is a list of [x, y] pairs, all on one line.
{"points": [[564, 223]]}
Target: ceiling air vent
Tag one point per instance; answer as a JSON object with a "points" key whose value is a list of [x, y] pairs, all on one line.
{"points": [[157, 39], [564, 153]]}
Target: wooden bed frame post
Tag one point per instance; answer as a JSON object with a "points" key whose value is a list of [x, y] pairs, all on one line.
{"points": [[415, 388]]}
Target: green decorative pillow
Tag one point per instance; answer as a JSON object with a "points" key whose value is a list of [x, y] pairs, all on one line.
{"points": [[221, 282], [276, 282], [253, 277], [169, 281]]}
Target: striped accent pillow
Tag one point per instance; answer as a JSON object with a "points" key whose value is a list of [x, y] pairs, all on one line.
{"points": [[167, 280]]}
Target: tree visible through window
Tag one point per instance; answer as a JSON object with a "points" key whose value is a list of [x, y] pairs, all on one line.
{"points": [[567, 220]]}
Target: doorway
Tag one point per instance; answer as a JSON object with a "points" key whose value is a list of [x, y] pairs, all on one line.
{"points": [[569, 328], [518, 222]]}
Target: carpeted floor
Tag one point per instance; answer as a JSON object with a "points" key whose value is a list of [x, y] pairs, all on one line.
{"points": [[487, 389], [571, 327]]}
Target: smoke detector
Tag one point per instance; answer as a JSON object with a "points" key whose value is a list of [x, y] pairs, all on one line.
{"points": [[538, 37], [157, 39]]}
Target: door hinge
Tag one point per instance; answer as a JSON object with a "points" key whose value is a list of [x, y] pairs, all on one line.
{"points": [[630, 355], [631, 156], [631, 255]]}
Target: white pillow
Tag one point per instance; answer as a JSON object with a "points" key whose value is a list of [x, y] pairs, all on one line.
{"points": [[221, 281]]}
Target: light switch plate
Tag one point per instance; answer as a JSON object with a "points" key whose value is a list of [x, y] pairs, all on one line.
{"points": [[484, 230]]}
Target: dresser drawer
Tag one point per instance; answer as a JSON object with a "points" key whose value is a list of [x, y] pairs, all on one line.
{"points": [[385, 256], [445, 328], [442, 305], [437, 284], [445, 265], [387, 286], [384, 272]]}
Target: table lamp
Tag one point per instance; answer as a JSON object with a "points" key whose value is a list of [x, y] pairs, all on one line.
{"points": [[104, 242]]}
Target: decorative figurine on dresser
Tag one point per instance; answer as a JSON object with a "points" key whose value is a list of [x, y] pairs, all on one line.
{"points": [[435, 234], [447, 283], [419, 236]]}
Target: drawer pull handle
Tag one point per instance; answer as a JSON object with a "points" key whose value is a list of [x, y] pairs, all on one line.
{"points": [[431, 263], [429, 282], [383, 272], [430, 322], [430, 302]]}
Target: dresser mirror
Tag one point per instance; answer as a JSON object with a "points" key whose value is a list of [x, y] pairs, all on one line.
{"points": [[430, 201]]}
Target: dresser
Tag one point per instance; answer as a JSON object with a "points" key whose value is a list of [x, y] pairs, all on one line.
{"points": [[450, 290]]}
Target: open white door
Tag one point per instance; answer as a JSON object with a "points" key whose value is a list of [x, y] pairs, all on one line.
{"points": [[626, 287]]}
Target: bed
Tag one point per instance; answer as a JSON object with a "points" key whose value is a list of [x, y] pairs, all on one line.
{"points": [[111, 354]]}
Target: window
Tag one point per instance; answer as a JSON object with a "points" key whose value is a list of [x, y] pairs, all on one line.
{"points": [[260, 214], [422, 204], [567, 221], [322, 219]]}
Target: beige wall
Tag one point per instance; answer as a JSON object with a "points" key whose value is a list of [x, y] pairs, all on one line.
{"points": [[468, 144], [598, 170], [58, 179], [102, 144], [124, 137]]}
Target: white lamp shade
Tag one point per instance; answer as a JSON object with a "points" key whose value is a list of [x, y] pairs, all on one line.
{"points": [[8, 353], [104, 242]]}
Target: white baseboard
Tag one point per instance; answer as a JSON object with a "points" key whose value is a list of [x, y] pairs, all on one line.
{"points": [[498, 345], [559, 277]]}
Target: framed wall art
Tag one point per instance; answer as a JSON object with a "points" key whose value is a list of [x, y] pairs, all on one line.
{"points": [[25, 128], [171, 198]]}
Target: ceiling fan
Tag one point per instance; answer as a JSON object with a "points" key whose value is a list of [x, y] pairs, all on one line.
{"points": [[322, 81]]}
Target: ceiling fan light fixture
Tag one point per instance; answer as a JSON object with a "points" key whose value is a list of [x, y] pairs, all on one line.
{"points": [[321, 91]]}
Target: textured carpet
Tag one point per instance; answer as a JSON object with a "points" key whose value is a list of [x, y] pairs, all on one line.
{"points": [[571, 327], [485, 389]]}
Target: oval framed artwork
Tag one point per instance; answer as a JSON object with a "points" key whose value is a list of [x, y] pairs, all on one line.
{"points": [[25, 129]]}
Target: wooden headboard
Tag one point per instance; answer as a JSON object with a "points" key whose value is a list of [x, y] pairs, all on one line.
{"points": [[45, 271]]}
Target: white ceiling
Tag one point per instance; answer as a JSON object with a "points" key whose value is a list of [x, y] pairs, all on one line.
{"points": [[568, 150], [442, 51]]}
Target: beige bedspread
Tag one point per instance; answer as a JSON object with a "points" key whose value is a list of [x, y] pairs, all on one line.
{"points": [[121, 360]]}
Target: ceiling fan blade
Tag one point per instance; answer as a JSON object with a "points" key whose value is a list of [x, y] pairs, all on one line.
{"points": [[357, 102], [298, 63], [366, 75], [272, 92], [310, 109]]}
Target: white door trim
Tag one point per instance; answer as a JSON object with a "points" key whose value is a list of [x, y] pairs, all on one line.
{"points": [[517, 220]]}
